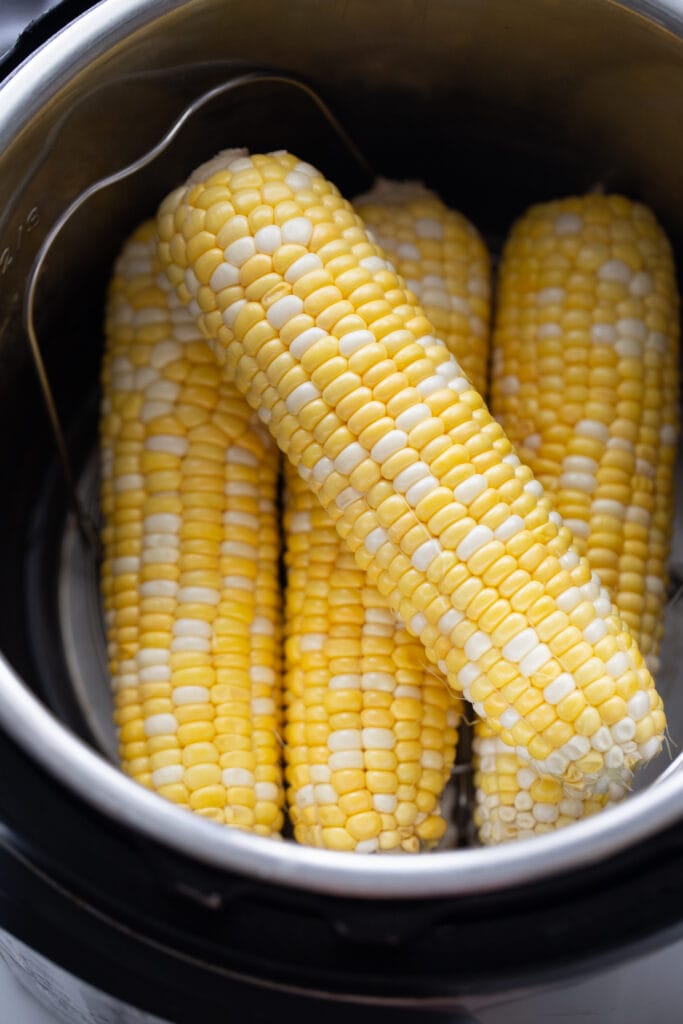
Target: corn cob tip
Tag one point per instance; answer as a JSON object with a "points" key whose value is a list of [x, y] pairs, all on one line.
{"points": [[513, 801], [387, 192], [216, 163]]}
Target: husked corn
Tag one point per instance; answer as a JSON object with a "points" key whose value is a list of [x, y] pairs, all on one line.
{"points": [[121, 448], [586, 385], [421, 482], [370, 729], [190, 568]]}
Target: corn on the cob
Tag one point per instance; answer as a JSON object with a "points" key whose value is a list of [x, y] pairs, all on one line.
{"points": [[371, 730], [585, 383], [121, 448], [443, 260], [190, 557], [420, 481], [354, 675]]}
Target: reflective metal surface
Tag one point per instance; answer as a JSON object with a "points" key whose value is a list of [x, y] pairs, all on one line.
{"points": [[87, 524], [516, 102], [15, 15], [450, 873]]}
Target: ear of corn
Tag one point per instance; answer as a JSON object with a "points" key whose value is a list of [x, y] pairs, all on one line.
{"points": [[422, 484], [371, 730], [190, 568], [443, 260], [121, 447], [586, 385]]}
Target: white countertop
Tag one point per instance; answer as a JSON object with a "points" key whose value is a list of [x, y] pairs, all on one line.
{"points": [[648, 990], [16, 1004]]}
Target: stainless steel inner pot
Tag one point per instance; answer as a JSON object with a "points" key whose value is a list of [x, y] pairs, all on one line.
{"points": [[496, 104]]}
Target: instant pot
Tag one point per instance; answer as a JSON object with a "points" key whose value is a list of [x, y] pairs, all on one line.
{"points": [[116, 906]]}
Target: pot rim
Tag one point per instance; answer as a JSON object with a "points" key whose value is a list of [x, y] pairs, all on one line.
{"points": [[447, 873], [53, 64], [83, 771]]}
